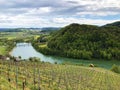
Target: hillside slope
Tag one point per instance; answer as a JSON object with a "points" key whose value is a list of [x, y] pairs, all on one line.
{"points": [[85, 42], [45, 76], [116, 24]]}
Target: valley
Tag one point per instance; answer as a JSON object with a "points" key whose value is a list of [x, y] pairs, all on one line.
{"points": [[38, 61]]}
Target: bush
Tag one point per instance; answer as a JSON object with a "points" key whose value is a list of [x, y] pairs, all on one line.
{"points": [[55, 62], [34, 59], [34, 88], [115, 68], [91, 65], [79, 64]]}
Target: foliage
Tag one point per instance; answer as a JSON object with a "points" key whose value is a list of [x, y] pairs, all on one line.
{"points": [[84, 42], [116, 24], [34, 59], [6, 46], [115, 68]]}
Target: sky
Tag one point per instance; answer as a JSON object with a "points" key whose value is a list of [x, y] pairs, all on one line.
{"points": [[57, 13]]}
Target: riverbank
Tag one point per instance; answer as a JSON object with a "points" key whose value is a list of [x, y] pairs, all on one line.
{"points": [[107, 64], [5, 50], [42, 47], [2, 50], [6, 46]]}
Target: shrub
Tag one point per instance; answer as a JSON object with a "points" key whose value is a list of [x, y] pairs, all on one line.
{"points": [[79, 64], [34, 88], [115, 68], [91, 65], [55, 62], [34, 59]]}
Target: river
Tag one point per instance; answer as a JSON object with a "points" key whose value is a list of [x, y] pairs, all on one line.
{"points": [[26, 50]]}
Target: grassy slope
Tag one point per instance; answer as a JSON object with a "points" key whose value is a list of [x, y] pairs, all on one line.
{"points": [[2, 50], [57, 77]]}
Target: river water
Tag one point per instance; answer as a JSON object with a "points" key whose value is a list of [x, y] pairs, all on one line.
{"points": [[26, 50]]}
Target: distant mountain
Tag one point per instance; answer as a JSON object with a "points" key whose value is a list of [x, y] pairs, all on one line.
{"points": [[10, 30], [45, 29], [50, 28], [4, 29]]}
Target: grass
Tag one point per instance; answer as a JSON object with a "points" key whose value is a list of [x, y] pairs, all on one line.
{"points": [[25, 36], [17, 35], [3, 50], [43, 45], [37, 36], [31, 76], [55, 77]]}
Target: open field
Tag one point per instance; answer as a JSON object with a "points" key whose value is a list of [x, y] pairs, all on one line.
{"points": [[2, 50], [17, 35], [7, 38], [45, 76]]}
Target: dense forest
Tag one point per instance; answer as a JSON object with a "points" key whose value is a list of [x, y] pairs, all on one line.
{"points": [[85, 42]]}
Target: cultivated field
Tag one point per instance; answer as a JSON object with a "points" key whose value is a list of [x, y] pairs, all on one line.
{"points": [[28, 75]]}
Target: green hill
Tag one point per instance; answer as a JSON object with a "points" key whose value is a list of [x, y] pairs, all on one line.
{"points": [[116, 24], [85, 42], [27, 75]]}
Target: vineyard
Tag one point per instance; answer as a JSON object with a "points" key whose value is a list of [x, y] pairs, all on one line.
{"points": [[26, 75]]}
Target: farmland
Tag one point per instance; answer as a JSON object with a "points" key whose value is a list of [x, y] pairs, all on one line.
{"points": [[59, 45], [8, 39], [41, 75], [26, 75]]}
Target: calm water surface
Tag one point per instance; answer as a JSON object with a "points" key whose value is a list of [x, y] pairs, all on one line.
{"points": [[26, 50]]}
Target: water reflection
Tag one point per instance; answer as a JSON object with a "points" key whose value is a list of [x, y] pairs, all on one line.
{"points": [[26, 50]]}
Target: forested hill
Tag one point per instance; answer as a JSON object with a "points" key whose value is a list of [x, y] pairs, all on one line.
{"points": [[116, 24], [85, 42]]}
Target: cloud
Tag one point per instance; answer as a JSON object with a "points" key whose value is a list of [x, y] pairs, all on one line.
{"points": [[29, 21], [99, 13], [39, 13]]}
